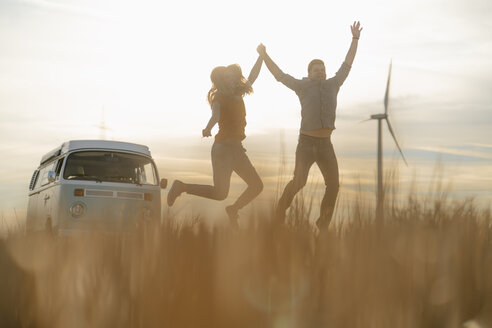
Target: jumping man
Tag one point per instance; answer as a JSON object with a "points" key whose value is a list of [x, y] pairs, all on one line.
{"points": [[318, 97]]}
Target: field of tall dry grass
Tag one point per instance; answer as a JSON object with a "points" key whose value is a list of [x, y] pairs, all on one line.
{"points": [[428, 264]]}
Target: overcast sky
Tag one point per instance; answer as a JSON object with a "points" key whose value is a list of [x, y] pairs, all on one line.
{"points": [[148, 63]]}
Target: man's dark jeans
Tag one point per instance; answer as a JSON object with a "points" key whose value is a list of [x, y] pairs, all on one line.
{"points": [[312, 150]]}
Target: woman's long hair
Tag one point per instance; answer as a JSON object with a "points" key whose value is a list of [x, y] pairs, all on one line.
{"points": [[241, 86]]}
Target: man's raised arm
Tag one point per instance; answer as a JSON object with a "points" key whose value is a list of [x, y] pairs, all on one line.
{"points": [[270, 64], [280, 76], [349, 59]]}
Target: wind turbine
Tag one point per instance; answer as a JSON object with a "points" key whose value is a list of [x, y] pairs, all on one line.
{"points": [[102, 126], [380, 118]]}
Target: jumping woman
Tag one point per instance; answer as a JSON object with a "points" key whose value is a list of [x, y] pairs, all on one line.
{"points": [[228, 154]]}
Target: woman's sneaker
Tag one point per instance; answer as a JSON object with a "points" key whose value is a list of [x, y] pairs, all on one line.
{"points": [[233, 216], [176, 189]]}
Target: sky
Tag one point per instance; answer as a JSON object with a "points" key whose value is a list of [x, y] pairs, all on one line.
{"points": [[143, 70]]}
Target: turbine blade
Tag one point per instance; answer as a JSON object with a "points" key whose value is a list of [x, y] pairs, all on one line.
{"points": [[386, 95], [394, 138], [365, 120]]}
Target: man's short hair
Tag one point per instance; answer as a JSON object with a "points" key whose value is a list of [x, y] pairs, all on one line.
{"points": [[314, 62]]}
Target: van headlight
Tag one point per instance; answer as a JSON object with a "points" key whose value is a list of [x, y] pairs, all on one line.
{"points": [[77, 209]]}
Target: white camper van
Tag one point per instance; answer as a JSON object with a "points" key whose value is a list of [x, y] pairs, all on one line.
{"points": [[88, 183]]}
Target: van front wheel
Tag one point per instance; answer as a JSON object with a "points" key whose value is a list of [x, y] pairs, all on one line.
{"points": [[49, 229]]}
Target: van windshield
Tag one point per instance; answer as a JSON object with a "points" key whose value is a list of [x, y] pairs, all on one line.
{"points": [[110, 166]]}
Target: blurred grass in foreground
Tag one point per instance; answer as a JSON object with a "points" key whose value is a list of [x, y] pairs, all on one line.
{"points": [[429, 264]]}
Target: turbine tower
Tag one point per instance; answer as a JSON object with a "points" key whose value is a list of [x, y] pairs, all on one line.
{"points": [[380, 118], [102, 126]]}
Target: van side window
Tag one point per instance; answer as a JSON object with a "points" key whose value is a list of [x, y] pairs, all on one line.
{"points": [[147, 174], [43, 175], [58, 167], [43, 172]]}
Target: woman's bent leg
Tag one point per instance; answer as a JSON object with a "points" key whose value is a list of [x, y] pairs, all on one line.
{"points": [[245, 170], [222, 165]]}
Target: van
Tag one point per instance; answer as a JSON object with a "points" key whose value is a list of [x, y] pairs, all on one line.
{"points": [[84, 184]]}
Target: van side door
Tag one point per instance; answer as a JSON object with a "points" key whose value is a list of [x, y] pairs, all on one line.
{"points": [[45, 197]]}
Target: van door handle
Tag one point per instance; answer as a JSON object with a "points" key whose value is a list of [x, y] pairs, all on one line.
{"points": [[46, 197]]}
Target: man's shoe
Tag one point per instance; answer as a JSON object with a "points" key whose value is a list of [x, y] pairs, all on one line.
{"points": [[279, 217], [174, 192], [322, 224]]}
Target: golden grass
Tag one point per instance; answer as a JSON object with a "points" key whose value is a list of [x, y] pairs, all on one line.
{"points": [[429, 264]]}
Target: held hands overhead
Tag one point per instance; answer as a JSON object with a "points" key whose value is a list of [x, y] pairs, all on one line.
{"points": [[261, 49]]}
